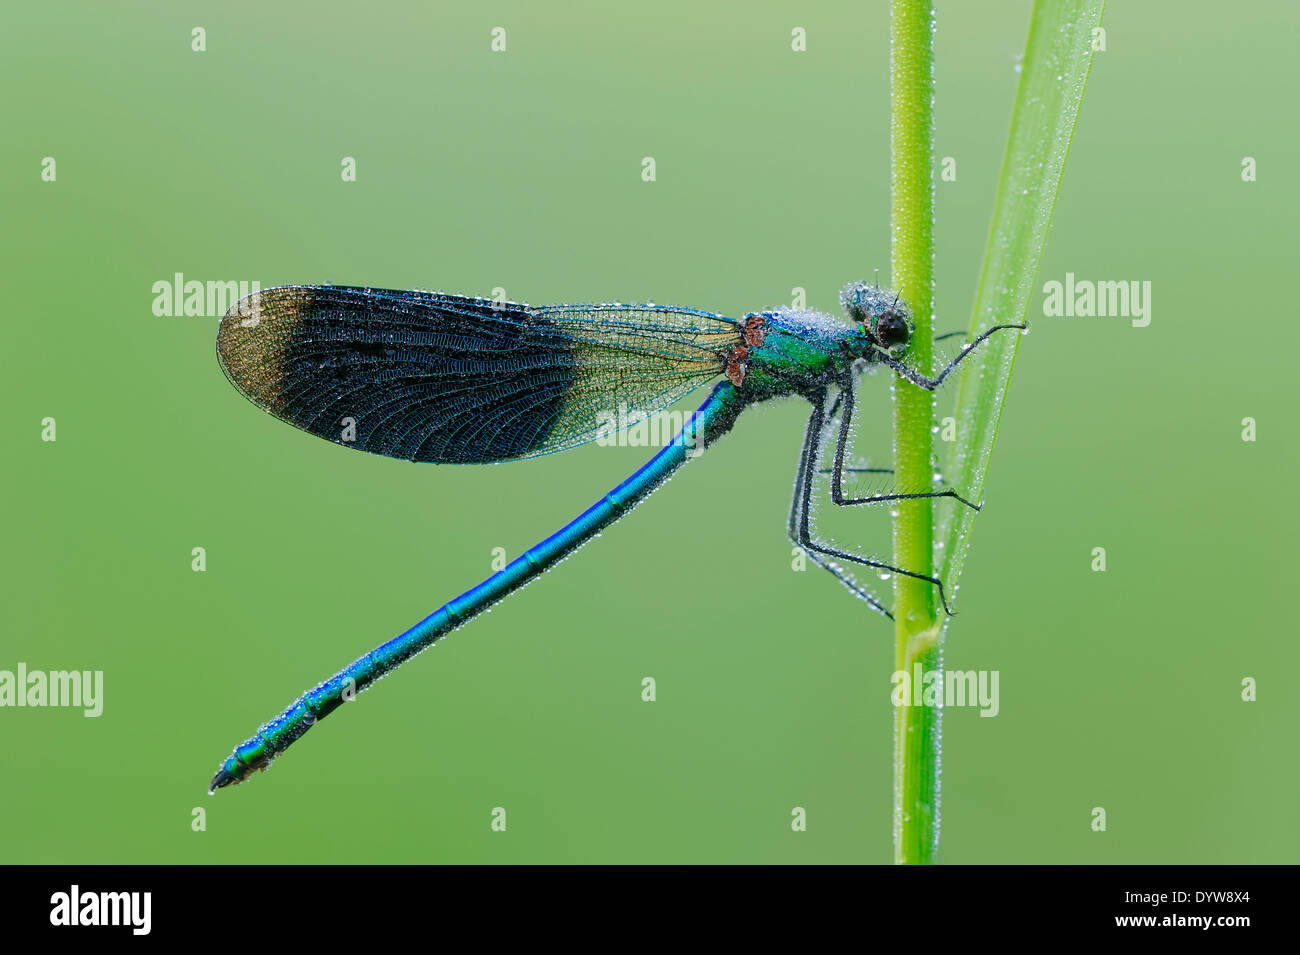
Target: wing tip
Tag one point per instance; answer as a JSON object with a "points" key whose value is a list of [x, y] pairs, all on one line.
{"points": [[251, 337]]}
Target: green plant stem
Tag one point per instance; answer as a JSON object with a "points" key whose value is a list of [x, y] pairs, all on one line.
{"points": [[916, 632]]}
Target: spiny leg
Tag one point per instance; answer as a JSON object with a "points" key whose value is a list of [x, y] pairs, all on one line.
{"points": [[930, 384], [858, 470], [832, 414], [800, 502], [837, 471], [804, 538], [809, 460]]}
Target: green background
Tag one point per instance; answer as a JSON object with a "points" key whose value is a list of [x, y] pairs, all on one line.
{"points": [[523, 170]]}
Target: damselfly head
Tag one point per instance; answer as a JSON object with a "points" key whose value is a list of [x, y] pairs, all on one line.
{"points": [[885, 319]]}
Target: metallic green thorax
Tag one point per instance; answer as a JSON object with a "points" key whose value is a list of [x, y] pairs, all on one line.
{"points": [[801, 352], [785, 359]]}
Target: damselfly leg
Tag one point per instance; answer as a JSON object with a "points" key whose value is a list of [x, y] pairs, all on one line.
{"points": [[842, 408], [801, 532], [837, 470], [797, 525], [930, 384]]}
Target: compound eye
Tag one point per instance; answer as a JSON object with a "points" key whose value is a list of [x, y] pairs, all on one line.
{"points": [[891, 329]]}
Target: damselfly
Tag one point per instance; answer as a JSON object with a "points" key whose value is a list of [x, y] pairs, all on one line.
{"points": [[430, 377]]}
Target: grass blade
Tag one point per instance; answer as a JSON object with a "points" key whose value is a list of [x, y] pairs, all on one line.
{"points": [[1054, 72]]}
